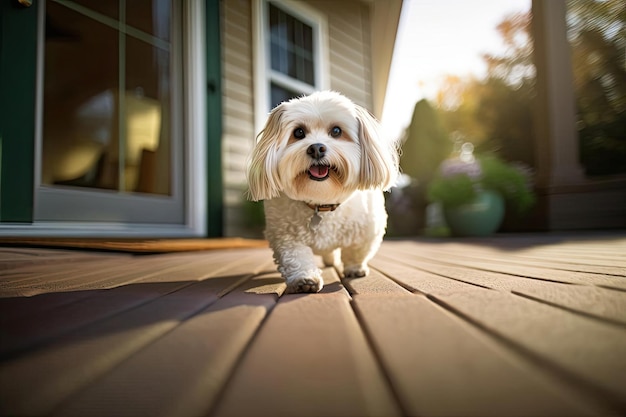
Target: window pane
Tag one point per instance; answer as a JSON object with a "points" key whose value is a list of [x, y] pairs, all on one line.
{"points": [[107, 122], [150, 16], [147, 161], [291, 46], [108, 8], [80, 100], [280, 94]]}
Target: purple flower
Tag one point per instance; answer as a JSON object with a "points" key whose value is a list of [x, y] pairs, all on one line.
{"points": [[452, 167]]}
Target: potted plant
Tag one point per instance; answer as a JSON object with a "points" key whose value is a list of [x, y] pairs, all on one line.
{"points": [[474, 192]]}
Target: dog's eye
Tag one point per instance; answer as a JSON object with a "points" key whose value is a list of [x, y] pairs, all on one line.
{"points": [[299, 133], [335, 132]]}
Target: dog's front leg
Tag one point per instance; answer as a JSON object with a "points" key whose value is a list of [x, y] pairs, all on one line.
{"points": [[356, 257], [297, 265]]}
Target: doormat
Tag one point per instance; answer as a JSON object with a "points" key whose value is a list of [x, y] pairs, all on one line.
{"points": [[136, 245]]}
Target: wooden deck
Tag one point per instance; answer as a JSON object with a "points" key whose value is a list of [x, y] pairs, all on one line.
{"points": [[512, 325]]}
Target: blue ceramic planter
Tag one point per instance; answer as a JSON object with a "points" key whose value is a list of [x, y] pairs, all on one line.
{"points": [[481, 217]]}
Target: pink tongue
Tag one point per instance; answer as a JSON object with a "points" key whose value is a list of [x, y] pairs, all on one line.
{"points": [[318, 171]]}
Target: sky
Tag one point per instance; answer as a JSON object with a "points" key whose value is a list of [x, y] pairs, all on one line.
{"points": [[438, 37]]}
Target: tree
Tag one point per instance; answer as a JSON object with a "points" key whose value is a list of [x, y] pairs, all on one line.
{"points": [[495, 113], [426, 144], [458, 108]]}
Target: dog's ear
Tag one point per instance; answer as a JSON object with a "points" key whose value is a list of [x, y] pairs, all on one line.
{"points": [[262, 173], [379, 156]]}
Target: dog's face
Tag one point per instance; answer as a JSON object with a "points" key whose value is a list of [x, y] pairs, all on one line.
{"points": [[320, 149]]}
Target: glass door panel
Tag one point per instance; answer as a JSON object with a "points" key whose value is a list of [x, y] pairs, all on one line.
{"points": [[151, 16], [147, 109], [80, 97], [111, 141]]}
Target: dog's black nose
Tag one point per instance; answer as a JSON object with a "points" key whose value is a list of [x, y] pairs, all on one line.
{"points": [[316, 151]]}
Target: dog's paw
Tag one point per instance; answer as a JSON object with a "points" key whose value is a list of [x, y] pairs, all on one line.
{"points": [[302, 285], [357, 271]]}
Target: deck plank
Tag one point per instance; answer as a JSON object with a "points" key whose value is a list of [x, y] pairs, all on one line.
{"points": [[511, 324], [310, 358], [182, 268], [101, 274], [411, 251], [574, 264], [90, 275], [15, 257], [27, 331], [36, 383], [374, 283], [496, 278], [17, 336], [182, 373], [16, 308], [442, 366], [600, 303], [417, 280], [588, 351]]}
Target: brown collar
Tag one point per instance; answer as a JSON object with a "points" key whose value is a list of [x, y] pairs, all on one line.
{"points": [[322, 207]]}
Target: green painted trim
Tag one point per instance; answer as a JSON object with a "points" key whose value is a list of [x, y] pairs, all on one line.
{"points": [[215, 207], [18, 68]]}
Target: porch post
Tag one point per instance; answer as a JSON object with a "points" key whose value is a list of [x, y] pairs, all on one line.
{"points": [[556, 138]]}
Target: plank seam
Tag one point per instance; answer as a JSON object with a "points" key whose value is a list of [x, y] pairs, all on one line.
{"points": [[585, 314], [239, 360], [413, 290], [67, 400], [608, 287], [22, 351], [474, 268], [378, 358], [555, 264], [17, 352]]}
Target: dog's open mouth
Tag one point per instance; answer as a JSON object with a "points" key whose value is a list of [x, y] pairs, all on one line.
{"points": [[319, 172]]}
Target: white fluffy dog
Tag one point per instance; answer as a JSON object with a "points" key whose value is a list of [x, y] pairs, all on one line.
{"points": [[321, 164]]}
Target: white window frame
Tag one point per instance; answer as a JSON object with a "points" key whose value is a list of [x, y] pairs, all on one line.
{"points": [[194, 152], [263, 73]]}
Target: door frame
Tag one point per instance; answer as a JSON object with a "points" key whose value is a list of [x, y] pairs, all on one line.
{"points": [[18, 63], [202, 127]]}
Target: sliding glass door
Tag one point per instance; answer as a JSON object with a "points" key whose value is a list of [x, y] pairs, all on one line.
{"points": [[110, 137]]}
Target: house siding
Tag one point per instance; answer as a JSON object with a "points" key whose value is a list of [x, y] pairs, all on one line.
{"points": [[349, 49], [350, 73], [238, 107]]}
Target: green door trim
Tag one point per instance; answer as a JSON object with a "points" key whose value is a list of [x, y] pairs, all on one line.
{"points": [[18, 71], [215, 210]]}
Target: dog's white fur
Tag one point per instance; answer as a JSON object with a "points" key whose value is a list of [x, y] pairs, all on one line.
{"points": [[363, 165]]}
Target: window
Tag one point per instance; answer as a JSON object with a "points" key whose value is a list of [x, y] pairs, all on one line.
{"points": [[598, 49], [290, 53]]}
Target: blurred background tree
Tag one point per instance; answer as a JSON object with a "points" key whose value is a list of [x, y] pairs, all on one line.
{"points": [[495, 113], [426, 144]]}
